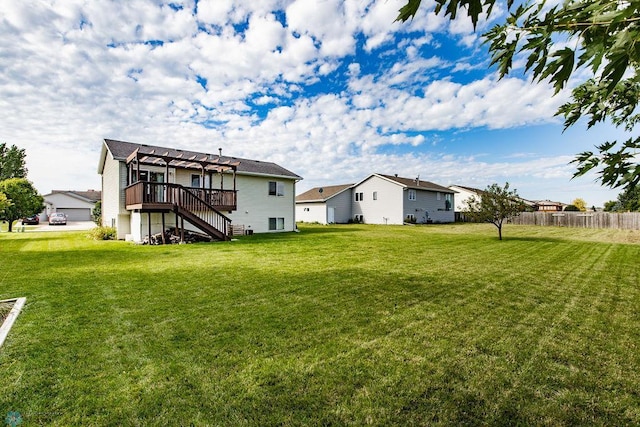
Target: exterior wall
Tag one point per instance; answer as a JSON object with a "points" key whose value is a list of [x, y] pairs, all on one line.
{"points": [[312, 212], [256, 206], [114, 180], [61, 201], [427, 207], [343, 205], [387, 209], [461, 198], [76, 209]]}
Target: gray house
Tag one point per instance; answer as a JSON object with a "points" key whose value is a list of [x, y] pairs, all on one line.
{"points": [[378, 199]]}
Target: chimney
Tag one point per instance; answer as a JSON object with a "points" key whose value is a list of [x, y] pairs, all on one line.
{"points": [[220, 152]]}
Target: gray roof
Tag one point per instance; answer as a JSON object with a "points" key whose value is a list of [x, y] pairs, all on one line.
{"points": [[417, 184], [320, 194], [120, 150], [89, 195]]}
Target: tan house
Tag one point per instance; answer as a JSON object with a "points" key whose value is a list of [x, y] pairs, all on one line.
{"points": [[147, 189]]}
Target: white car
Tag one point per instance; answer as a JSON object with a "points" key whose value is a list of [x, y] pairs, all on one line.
{"points": [[58, 218]]}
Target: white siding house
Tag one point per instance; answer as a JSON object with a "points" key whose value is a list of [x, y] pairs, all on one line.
{"points": [[378, 199], [325, 205], [146, 189], [463, 195], [76, 205], [387, 199]]}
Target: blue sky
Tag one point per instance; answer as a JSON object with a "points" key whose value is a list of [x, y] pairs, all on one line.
{"points": [[332, 90]]}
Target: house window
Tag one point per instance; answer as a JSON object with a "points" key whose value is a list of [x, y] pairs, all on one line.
{"points": [[359, 197], [306, 209], [358, 218], [412, 194], [438, 195], [375, 195], [276, 224], [447, 202], [143, 176], [276, 188], [195, 181]]}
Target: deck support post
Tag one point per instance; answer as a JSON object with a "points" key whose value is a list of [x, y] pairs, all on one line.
{"points": [[163, 240], [182, 230], [149, 224]]}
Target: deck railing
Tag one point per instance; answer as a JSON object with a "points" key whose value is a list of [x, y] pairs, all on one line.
{"points": [[144, 192], [191, 203]]}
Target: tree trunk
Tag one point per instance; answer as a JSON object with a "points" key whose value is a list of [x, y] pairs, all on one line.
{"points": [[500, 232], [10, 225]]}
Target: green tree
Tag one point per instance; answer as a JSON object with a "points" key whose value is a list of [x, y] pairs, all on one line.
{"points": [[12, 162], [600, 36], [571, 208], [96, 212], [494, 206], [612, 206], [25, 200], [4, 202]]}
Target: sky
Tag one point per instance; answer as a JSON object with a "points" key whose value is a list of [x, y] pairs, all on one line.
{"points": [[331, 90]]}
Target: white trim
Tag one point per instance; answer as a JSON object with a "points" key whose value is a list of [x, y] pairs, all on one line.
{"points": [[11, 318]]}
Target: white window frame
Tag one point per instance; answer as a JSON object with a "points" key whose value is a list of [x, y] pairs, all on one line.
{"points": [[412, 195], [375, 195]]}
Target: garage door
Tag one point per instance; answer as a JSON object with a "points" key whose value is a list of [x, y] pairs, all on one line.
{"points": [[76, 214]]}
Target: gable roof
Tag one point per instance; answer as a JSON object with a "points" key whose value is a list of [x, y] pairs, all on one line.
{"points": [[121, 150], [322, 194], [470, 189], [416, 184], [88, 196]]}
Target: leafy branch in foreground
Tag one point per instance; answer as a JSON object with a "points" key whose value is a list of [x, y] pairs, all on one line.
{"points": [[602, 36]]}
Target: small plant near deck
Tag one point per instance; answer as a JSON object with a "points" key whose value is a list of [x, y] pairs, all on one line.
{"points": [[103, 233]]}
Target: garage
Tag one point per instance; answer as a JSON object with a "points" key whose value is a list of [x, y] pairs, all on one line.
{"points": [[77, 205], [76, 214]]}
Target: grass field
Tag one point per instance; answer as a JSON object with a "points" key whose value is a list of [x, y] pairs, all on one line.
{"points": [[341, 325]]}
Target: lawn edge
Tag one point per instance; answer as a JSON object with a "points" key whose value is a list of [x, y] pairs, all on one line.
{"points": [[18, 303]]}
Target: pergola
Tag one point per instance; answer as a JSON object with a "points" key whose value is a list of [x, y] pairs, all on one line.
{"points": [[206, 164]]}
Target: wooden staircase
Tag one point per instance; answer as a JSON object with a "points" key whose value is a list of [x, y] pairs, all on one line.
{"points": [[199, 213], [191, 204]]}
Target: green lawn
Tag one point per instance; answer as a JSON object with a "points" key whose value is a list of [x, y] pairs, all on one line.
{"points": [[341, 325]]}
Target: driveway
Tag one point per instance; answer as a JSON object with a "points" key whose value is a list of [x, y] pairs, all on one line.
{"points": [[71, 226]]}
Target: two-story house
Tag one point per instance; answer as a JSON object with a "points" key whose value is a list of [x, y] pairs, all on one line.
{"points": [[147, 189], [378, 199]]}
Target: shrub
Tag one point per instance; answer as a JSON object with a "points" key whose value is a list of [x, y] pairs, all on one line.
{"points": [[103, 233], [572, 208]]}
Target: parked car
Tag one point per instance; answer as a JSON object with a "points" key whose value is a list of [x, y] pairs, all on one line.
{"points": [[31, 220], [58, 218]]}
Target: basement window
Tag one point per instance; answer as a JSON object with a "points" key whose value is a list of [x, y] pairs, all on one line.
{"points": [[276, 224]]}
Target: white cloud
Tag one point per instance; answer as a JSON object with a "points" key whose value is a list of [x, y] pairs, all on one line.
{"points": [[73, 73]]}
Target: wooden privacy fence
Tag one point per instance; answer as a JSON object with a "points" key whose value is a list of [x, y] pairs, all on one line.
{"points": [[623, 221]]}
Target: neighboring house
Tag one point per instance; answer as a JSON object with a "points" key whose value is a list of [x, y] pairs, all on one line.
{"points": [[378, 199], [147, 189], [77, 205], [548, 206], [463, 195], [326, 205]]}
